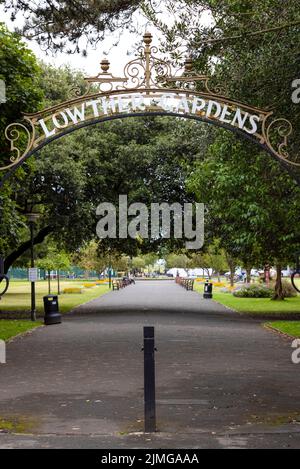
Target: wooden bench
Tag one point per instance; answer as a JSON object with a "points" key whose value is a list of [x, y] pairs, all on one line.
{"points": [[122, 283], [187, 283], [190, 285], [116, 285]]}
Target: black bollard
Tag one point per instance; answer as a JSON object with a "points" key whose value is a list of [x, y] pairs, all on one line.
{"points": [[149, 380]]}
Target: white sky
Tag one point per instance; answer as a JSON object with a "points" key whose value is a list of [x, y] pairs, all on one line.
{"points": [[117, 55]]}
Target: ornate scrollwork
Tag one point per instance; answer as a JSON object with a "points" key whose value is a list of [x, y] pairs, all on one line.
{"points": [[76, 91], [14, 134], [135, 73], [217, 90], [190, 80], [276, 135], [147, 70]]}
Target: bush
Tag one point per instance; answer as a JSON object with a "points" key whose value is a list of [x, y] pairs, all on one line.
{"points": [[73, 290], [254, 291], [288, 289], [89, 285]]}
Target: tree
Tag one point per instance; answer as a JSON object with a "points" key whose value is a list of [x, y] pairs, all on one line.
{"points": [[180, 261], [20, 72], [250, 48], [138, 263], [253, 204], [55, 259], [47, 264], [94, 165], [89, 258], [216, 258], [61, 261]]}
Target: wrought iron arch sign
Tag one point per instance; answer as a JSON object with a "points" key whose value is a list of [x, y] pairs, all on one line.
{"points": [[148, 87]]}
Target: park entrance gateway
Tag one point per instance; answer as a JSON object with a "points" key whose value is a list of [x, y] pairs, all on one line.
{"points": [[148, 87]]}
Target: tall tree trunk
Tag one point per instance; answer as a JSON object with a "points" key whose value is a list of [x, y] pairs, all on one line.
{"points": [[232, 265], [207, 271], [267, 275], [232, 272], [278, 293], [248, 273]]}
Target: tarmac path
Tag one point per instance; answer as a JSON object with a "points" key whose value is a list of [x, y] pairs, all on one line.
{"points": [[222, 380]]}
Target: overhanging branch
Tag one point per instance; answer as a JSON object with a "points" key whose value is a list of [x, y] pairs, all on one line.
{"points": [[39, 238]]}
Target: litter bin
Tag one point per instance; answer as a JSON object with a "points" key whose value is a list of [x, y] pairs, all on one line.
{"points": [[207, 290], [52, 314]]}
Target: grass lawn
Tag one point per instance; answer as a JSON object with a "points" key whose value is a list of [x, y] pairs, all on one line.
{"points": [[291, 328], [255, 305], [9, 329], [18, 297]]}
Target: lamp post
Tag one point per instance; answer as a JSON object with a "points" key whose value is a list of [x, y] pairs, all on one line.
{"points": [[32, 218], [109, 268]]}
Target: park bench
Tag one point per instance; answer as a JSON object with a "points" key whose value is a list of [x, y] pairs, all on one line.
{"points": [[187, 283], [115, 285], [190, 284], [122, 283]]}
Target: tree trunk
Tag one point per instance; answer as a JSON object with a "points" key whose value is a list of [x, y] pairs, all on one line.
{"points": [[207, 271], [219, 276], [278, 293], [267, 275], [248, 272], [232, 272], [232, 265]]}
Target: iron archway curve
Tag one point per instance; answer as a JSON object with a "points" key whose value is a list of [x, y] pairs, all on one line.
{"points": [[3, 289], [240, 133]]}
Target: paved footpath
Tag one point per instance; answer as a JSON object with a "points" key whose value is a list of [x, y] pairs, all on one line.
{"points": [[223, 380]]}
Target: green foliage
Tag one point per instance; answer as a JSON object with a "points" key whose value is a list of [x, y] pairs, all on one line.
{"points": [[252, 203], [20, 72], [54, 260], [59, 84], [138, 263]]}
